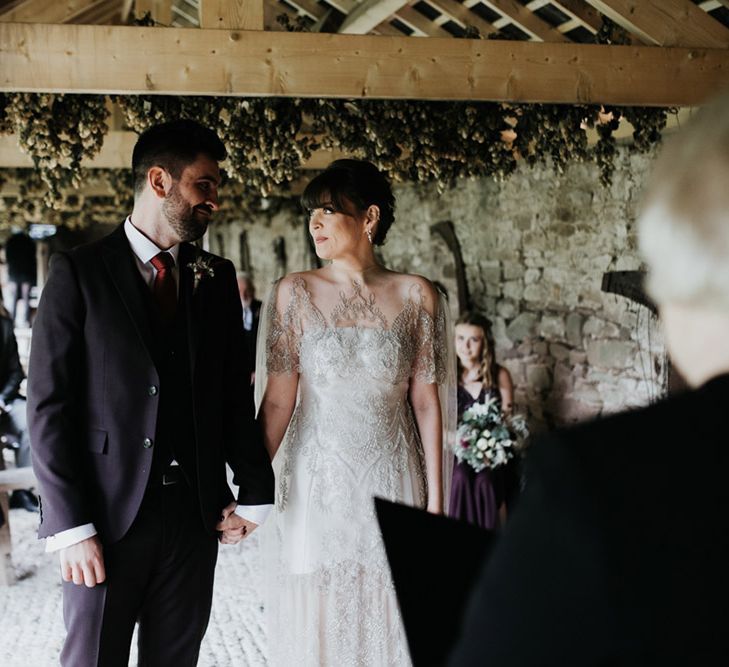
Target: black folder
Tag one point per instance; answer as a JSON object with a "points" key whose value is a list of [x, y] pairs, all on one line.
{"points": [[434, 561]]}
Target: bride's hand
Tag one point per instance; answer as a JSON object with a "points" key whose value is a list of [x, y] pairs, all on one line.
{"points": [[435, 508]]}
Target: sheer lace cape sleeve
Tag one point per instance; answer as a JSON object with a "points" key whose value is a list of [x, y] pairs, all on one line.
{"points": [[434, 362], [279, 333]]}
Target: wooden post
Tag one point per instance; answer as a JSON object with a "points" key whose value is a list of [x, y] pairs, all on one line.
{"points": [[231, 14]]}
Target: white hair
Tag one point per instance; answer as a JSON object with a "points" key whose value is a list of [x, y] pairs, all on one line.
{"points": [[683, 229]]}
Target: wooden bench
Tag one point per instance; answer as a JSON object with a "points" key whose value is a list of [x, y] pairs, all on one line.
{"points": [[10, 480]]}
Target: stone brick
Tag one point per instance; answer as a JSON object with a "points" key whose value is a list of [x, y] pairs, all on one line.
{"points": [[559, 351], [532, 276], [552, 327], [513, 270], [539, 377], [521, 327], [536, 292], [513, 289], [577, 357], [610, 353], [574, 329], [599, 328], [506, 309]]}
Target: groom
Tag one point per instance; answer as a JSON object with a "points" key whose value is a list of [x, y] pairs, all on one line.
{"points": [[138, 395]]}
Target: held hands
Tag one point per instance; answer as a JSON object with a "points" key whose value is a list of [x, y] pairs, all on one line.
{"points": [[232, 527], [83, 563]]}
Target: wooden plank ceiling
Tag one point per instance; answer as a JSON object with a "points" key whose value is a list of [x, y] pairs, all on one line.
{"points": [[687, 23]]}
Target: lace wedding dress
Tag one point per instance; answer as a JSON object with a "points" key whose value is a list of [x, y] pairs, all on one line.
{"points": [[352, 436]]}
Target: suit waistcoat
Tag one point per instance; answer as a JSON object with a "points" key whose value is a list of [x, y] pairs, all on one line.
{"points": [[174, 437]]}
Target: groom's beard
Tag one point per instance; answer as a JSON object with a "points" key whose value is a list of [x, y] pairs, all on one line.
{"points": [[188, 222]]}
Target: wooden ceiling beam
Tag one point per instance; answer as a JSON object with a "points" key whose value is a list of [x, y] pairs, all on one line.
{"points": [[526, 20], [369, 14], [666, 22], [231, 14], [43, 11], [175, 61]]}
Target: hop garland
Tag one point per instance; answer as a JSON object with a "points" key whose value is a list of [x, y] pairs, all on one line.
{"points": [[57, 131], [268, 139]]}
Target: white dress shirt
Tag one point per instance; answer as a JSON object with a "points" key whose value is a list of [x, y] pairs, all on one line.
{"points": [[144, 250]]}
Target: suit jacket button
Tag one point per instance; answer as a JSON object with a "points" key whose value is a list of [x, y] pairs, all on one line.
{"points": [[147, 443], [152, 390]]}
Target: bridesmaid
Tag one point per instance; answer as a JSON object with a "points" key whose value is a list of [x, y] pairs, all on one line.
{"points": [[482, 497]]}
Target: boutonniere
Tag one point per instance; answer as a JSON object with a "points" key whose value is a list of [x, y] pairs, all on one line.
{"points": [[201, 268]]}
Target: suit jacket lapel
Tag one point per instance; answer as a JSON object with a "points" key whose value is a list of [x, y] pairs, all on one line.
{"points": [[119, 261]]}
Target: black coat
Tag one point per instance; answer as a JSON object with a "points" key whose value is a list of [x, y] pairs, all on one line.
{"points": [[618, 552], [11, 372], [92, 397]]}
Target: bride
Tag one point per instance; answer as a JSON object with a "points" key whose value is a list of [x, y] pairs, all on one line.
{"points": [[354, 355]]}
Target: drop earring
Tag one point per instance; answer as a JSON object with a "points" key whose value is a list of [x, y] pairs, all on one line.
{"points": [[369, 235]]}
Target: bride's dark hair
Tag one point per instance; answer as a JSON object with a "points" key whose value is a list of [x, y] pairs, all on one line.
{"points": [[358, 182]]}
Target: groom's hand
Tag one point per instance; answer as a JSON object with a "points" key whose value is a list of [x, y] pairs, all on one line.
{"points": [[233, 528], [83, 563]]}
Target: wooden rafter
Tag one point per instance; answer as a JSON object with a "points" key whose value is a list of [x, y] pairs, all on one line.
{"points": [[386, 28], [368, 14], [422, 24], [588, 16], [526, 20], [126, 10], [141, 60], [160, 10], [666, 22], [272, 9], [43, 11], [464, 16], [310, 8]]}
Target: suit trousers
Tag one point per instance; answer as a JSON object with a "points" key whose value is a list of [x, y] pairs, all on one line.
{"points": [[159, 574]]}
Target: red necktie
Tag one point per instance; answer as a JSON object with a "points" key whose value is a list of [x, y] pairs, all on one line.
{"points": [[164, 288]]}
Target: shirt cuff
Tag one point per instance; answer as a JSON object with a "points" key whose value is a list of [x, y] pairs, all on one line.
{"points": [[67, 538], [254, 513]]}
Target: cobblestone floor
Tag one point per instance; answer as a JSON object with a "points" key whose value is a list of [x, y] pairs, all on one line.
{"points": [[31, 622]]}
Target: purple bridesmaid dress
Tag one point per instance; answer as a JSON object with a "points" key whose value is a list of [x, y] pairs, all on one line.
{"points": [[476, 496]]}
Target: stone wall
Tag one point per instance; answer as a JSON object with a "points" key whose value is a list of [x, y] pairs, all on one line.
{"points": [[535, 249]]}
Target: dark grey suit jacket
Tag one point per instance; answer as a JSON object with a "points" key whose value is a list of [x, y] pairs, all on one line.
{"points": [[618, 551], [91, 402]]}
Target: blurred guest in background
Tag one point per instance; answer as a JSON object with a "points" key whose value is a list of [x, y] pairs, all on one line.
{"points": [[22, 269], [618, 551], [251, 312], [13, 422]]}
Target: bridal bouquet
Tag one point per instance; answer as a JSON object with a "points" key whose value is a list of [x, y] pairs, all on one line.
{"points": [[486, 438]]}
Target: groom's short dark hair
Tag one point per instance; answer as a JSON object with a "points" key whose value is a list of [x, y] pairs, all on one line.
{"points": [[173, 146]]}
